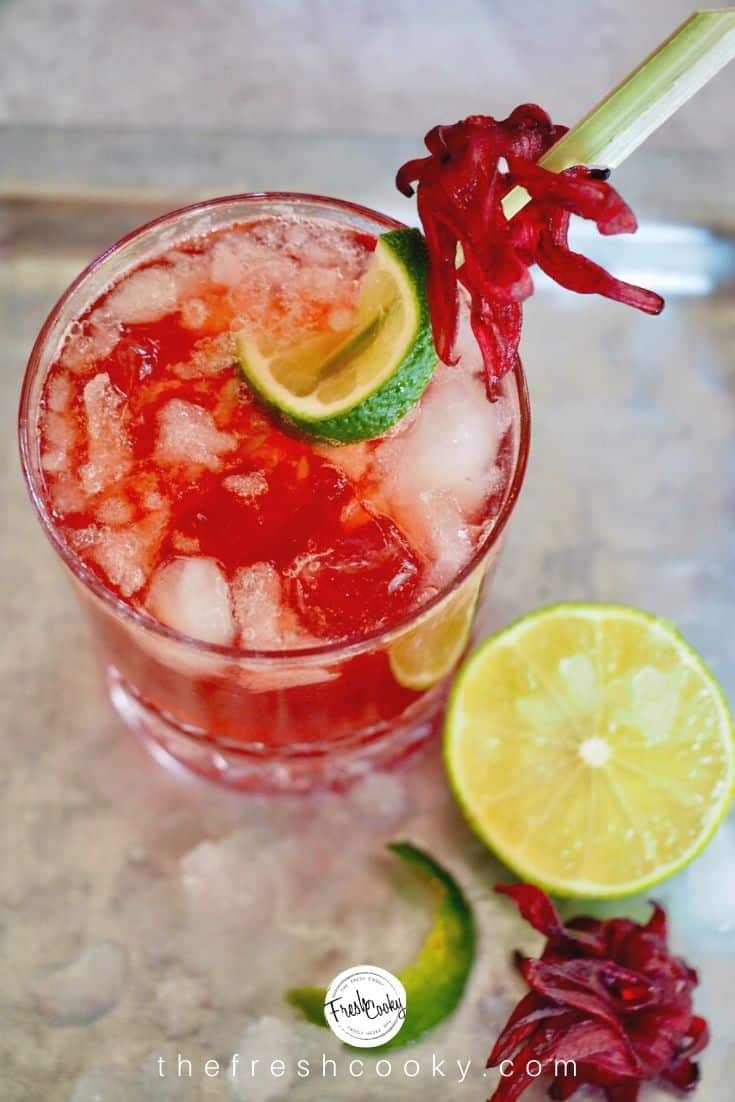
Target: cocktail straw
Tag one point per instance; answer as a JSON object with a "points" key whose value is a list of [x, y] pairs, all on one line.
{"points": [[645, 99]]}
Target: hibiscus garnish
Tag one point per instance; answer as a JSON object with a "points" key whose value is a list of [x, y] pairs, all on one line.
{"points": [[471, 167], [606, 995]]}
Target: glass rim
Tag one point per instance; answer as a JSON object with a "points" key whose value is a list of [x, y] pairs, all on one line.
{"points": [[139, 617]]}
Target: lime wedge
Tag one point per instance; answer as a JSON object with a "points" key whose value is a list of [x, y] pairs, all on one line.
{"points": [[591, 749], [345, 387], [432, 648], [436, 979]]}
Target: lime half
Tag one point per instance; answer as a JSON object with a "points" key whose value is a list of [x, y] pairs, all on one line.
{"points": [[345, 387], [591, 749], [436, 979]]}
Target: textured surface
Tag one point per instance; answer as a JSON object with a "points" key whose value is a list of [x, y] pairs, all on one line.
{"points": [[177, 914], [320, 65]]}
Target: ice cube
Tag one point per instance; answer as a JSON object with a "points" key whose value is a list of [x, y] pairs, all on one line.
{"points": [[211, 355], [84, 538], [253, 270], [289, 674], [59, 391], [179, 1002], [66, 494], [188, 545], [246, 485], [192, 596], [437, 529], [322, 284], [108, 448], [154, 500], [59, 437], [452, 445], [310, 268], [233, 255], [189, 270], [146, 295], [194, 313], [106, 1083], [85, 988], [115, 510], [208, 873], [352, 459], [127, 554], [265, 620], [434, 475], [188, 434], [224, 883], [264, 1041], [317, 245], [96, 340]]}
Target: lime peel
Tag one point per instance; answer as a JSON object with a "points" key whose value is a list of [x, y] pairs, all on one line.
{"points": [[353, 387], [436, 978]]}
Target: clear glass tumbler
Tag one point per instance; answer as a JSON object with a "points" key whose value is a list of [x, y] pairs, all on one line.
{"points": [[263, 720]]}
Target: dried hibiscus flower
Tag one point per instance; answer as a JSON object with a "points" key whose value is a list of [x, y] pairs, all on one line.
{"points": [[471, 167], [607, 995]]}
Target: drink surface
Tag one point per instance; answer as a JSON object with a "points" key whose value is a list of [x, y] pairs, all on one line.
{"points": [[189, 501]]}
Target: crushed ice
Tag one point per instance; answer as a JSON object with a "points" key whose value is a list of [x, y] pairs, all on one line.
{"points": [[85, 988], [188, 434]]}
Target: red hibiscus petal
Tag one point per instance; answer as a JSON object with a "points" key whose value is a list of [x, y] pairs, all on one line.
{"points": [[682, 1075], [461, 186], [577, 273], [517, 1033], [535, 906], [577, 193], [607, 995], [657, 924], [599, 988]]}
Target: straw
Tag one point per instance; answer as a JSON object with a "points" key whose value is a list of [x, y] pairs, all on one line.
{"points": [[633, 110]]}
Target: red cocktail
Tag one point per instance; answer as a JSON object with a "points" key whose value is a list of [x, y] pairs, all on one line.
{"points": [[269, 611]]}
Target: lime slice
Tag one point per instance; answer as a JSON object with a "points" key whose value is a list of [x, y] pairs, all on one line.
{"points": [[345, 387], [436, 979], [431, 649], [591, 749]]}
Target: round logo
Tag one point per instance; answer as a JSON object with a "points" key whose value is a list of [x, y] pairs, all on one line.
{"points": [[365, 1006]]}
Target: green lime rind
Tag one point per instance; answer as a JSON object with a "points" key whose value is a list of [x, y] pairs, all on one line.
{"points": [[374, 414], [436, 979], [310, 1001], [535, 875]]}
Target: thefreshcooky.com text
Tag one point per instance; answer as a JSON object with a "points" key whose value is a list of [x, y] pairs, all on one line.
{"points": [[432, 1066]]}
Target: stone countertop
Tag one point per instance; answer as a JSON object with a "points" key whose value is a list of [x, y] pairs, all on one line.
{"points": [[146, 915]]}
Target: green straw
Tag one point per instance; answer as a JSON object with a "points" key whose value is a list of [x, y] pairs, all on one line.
{"points": [[630, 113]]}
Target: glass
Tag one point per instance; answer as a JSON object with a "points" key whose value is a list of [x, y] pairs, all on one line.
{"points": [[262, 720]]}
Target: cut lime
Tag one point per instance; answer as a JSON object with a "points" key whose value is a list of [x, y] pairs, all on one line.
{"points": [[436, 979], [345, 387], [591, 749], [431, 649]]}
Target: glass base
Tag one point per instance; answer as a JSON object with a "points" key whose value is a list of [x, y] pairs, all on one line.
{"points": [[325, 765]]}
